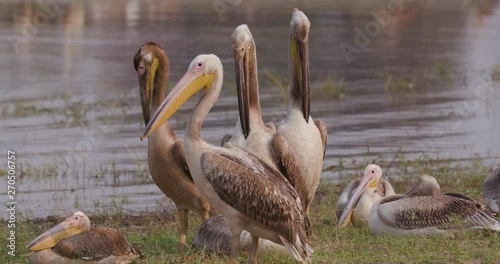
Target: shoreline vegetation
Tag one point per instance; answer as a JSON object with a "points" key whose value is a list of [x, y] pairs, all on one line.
{"points": [[155, 233]]}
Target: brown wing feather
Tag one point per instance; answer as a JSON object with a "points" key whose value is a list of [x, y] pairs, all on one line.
{"points": [[441, 211], [95, 244], [177, 151], [323, 132], [257, 190], [289, 165]]}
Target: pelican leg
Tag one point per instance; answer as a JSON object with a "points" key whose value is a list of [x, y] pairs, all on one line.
{"points": [[183, 225], [235, 245], [254, 251]]}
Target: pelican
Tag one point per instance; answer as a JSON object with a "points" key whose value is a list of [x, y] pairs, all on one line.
{"points": [[215, 235], [247, 191], [74, 241], [359, 195], [166, 158], [491, 191], [430, 214], [306, 137], [251, 133]]}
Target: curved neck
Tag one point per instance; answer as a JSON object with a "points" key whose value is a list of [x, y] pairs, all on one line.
{"points": [[203, 106]]}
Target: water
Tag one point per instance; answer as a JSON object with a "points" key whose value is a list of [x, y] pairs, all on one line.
{"points": [[70, 109]]}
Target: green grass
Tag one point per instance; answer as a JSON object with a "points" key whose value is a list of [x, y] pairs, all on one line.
{"points": [[156, 234]]}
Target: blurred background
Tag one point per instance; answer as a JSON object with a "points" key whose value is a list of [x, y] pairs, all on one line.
{"points": [[393, 80]]}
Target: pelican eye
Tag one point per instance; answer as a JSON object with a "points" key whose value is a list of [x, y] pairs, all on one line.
{"points": [[373, 171], [200, 64], [242, 49]]}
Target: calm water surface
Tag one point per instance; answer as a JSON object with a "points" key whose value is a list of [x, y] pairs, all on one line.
{"points": [[424, 82]]}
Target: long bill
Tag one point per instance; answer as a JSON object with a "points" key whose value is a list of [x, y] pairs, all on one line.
{"points": [[190, 83], [50, 238], [368, 181], [146, 90], [242, 85], [300, 55]]}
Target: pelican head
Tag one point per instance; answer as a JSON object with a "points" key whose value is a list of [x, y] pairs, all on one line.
{"points": [[75, 224], [149, 62], [371, 177], [426, 185], [200, 74], [299, 48], [244, 52]]}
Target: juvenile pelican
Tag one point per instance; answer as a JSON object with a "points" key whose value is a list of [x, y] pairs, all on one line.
{"points": [[305, 137], [250, 132], [359, 195], [430, 214], [248, 192], [166, 158], [491, 191], [73, 240]]}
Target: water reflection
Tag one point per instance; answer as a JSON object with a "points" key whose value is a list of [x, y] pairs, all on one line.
{"points": [[70, 102]]}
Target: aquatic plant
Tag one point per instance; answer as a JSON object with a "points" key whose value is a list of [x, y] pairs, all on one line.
{"points": [[398, 88]]}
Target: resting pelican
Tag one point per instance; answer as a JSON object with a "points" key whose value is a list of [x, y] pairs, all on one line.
{"points": [[430, 214], [305, 137], [166, 158], [73, 240], [248, 192], [359, 195], [250, 133], [215, 235], [491, 191]]}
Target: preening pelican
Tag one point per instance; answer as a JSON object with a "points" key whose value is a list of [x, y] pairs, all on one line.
{"points": [[491, 191], [247, 191], [430, 214], [250, 133], [359, 195], [74, 241], [166, 158], [306, 137]]}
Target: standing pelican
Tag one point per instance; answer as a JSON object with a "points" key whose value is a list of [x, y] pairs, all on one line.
{"points": [[248, 192], [250, 133], [359, 196], [166, 158], [491, 191], [430, 214], [305, 137], [73, 240]]}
